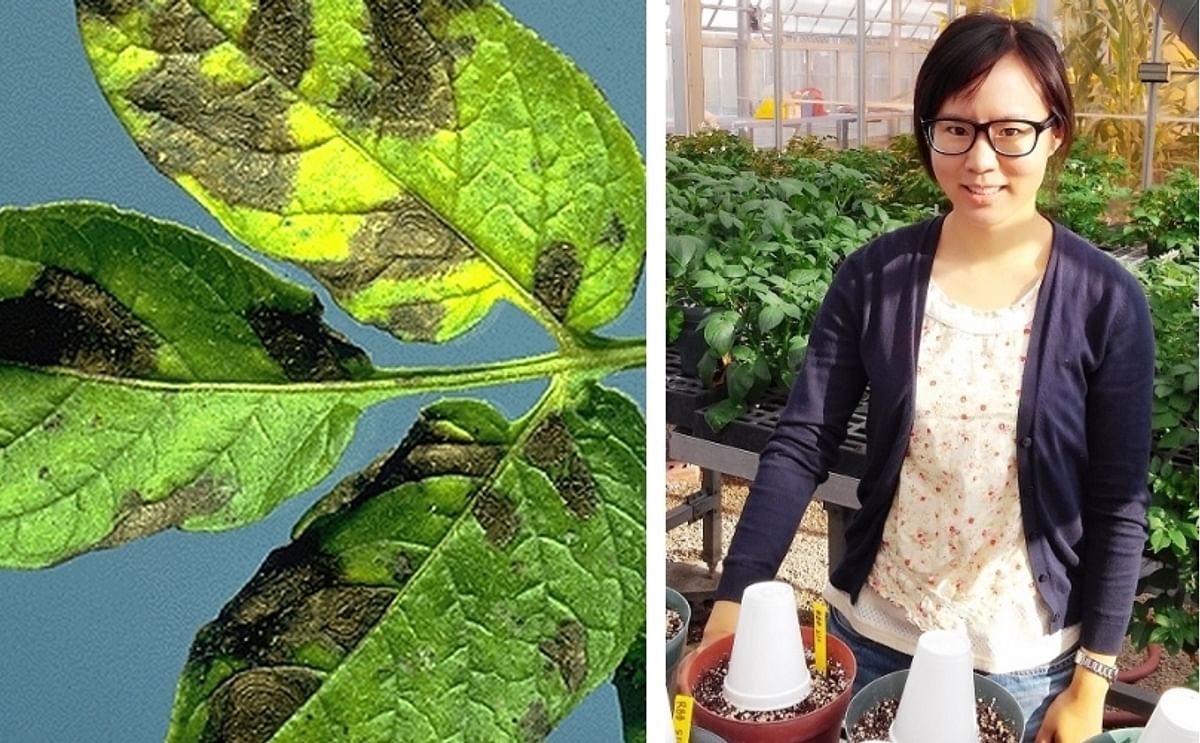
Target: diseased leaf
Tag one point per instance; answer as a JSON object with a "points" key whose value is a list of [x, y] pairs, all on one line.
{"points": [[153, 378], [630, 680], [423, 160], [112, 438], [474, 586]]}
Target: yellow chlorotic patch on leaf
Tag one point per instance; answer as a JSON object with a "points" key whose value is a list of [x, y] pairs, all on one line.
{"points": [[300, 237], [336, 177], [225, 64], [464, 296], [306, 126], [339, 50], [229, 15]]}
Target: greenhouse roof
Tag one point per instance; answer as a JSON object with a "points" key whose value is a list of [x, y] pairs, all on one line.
{"points": [[913, 19]]}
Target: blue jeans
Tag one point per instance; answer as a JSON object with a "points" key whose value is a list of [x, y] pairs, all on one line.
{"points": [[1034, 688]]}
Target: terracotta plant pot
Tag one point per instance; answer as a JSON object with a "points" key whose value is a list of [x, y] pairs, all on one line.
{"points": [[822, 726], [675, 645], [892, 685]]}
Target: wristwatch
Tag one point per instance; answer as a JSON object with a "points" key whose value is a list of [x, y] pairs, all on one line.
{"points": [[1105, 671]]}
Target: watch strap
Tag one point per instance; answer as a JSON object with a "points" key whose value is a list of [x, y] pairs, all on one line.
{"points": [[1105, 671]]}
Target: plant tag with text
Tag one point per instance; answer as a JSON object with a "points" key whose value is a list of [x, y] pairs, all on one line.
{"points": [[820, 617]]}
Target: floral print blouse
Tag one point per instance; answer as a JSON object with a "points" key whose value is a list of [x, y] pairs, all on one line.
{"points": [[953, 553]]}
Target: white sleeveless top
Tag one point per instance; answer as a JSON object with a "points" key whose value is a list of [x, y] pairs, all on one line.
{"points": [[953, 553]]}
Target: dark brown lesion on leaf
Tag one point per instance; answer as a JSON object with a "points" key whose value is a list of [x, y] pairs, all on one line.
{"points": [[408, 92], [105, 8], [614, 232], [65, 319], [497, 516], [551, 448], [236, 142], [341, 615], [251, 705], [567, 651], [556, 277], [303, 346], [434, 459], [179, 27], [534, 725], [279, 35], [550, 443], [578, 488], [404, 240], [296, 601], [137, 518]]}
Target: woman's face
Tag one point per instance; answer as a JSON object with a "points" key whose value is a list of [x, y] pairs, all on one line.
{"points": [[986, 189]]}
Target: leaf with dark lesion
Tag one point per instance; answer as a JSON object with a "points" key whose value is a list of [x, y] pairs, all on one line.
{"points": [[424, 160], [424, 572], [173, 358]]}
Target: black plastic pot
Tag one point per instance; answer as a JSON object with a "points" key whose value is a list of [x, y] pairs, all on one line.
{"points": [[691, 343]]}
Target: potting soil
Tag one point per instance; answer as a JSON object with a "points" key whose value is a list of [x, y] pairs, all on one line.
{"points": [[825, 688], [674, 623], [875, 724]]}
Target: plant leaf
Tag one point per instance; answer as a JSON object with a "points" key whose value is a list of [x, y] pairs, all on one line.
{"points": [[424, 161], [153, 378], [474, 586], [113, 323], [630, 680]]}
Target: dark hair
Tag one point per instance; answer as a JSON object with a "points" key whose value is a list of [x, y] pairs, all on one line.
{"points": [[965, 53]]}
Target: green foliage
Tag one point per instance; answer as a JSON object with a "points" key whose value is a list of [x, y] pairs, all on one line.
{"points": [[1166, 217], [1170, 617], [715, 146], [1083, 193], [763, 250]]}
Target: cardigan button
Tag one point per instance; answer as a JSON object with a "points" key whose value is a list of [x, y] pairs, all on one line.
{"points": [[1026, 442], [1042, 578], [1054, 618]]}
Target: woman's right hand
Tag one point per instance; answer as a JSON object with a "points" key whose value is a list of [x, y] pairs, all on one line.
{"points": [[722, 621]]}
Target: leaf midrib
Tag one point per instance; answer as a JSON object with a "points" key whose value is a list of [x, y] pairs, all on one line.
{"points": [[614, 356], [561, 333]]}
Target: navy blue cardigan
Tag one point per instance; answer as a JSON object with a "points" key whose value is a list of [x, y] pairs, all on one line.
{"points": [[1083, 426]]}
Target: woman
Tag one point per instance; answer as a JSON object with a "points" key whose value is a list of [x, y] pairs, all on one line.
{"points": [[1010, 366]]}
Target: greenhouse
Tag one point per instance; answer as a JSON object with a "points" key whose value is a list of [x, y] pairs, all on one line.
{"points": [[729, 61], [835, 319]]}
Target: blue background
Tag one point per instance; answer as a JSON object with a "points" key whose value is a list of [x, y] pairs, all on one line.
{"points": [[91, 650]]}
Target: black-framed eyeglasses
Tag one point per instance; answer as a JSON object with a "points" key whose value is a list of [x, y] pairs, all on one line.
{"points": [[1008, 137]]}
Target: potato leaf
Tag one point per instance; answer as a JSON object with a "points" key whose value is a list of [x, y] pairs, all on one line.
{"points": [[423, 160], [475, 585], [153, 378]]}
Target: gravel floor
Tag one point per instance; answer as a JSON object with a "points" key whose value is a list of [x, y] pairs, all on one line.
{"points": [[805, 566]]}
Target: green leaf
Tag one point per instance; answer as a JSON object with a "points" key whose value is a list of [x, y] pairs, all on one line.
{"points": [[476, 585], [684, 248], [719, 415], [153, 378], [674, 323], [719, 329], [769, 317], [630, 680], [424, 161]]}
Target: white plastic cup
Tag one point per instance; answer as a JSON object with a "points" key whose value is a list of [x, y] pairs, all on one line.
{"points": [[1176, 718], [938, 702], [766, 666]]}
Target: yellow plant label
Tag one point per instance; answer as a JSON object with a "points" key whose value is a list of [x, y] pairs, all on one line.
{"points": [[820, 618], [681, 718]]}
